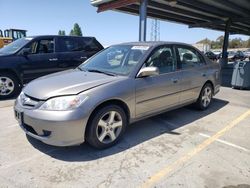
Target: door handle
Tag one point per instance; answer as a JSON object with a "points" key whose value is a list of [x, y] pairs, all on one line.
{"points": [[174, 80], [83, 57], [53, 59]]}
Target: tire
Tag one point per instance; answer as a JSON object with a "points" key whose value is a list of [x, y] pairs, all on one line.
{"points": [[205, 97], [103, 132], [9, 85]]}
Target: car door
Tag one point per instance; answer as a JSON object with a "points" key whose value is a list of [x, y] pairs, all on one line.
{"points": [[193, 72], [157, 93], [71, 52], [40, 60]]}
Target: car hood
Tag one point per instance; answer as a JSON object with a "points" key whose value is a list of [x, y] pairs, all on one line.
{"points": [[5, 55], [66, 83]]}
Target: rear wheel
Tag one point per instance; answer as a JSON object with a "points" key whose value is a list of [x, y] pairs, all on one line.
{"points": [[205, 97], [9, 85], [106, 127]]}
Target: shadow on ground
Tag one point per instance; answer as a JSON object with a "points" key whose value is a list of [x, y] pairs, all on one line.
{"points": [[136, 133]]}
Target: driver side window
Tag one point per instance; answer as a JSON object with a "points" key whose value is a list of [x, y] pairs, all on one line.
{"points": [[163, 59], [41, 47]]}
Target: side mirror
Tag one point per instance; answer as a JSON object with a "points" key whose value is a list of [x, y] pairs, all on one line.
{"points": [[148, 71], [25, 51]]}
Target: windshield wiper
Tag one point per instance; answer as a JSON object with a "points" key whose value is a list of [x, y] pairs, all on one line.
{"points": [[81, 69], [103, 72]]}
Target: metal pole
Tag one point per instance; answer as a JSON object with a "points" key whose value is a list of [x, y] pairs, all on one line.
{"points": [[224, 59], [143, 20]]}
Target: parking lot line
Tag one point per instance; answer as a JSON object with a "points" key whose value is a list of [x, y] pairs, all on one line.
{"points": [[167, 169], [225, 142]]}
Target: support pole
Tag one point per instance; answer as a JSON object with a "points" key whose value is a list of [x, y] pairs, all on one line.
{"points": [[224, 59], [143, 20]]}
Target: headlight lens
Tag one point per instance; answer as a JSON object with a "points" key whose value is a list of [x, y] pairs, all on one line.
{"points": [[63, 103]]}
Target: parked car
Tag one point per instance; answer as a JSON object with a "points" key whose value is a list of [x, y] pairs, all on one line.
{"points": [[120, 85], [247, 53], [211, 55], [31, 57], [234, 56], [218, 54]]}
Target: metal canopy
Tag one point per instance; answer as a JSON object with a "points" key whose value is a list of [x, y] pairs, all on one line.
{"points": [[210, 14]]}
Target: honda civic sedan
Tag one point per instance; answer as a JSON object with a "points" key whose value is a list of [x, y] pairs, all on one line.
{"points": [[118, 86]]}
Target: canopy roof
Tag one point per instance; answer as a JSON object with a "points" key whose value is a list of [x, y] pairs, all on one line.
{"points": [[211, 14]]}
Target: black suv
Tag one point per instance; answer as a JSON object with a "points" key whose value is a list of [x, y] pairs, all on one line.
{"points": [[32, 57]]}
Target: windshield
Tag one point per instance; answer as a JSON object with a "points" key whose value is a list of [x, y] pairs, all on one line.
{"points": [[119, 60], [231, 53], [14, 46]]}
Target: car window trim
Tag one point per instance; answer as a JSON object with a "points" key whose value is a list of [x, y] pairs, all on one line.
{"points": [[189, 48], [171, 46], [38, 42]]}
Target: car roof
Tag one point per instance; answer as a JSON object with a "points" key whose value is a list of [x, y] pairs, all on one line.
{"points": [[67, 36], [154, 43]]}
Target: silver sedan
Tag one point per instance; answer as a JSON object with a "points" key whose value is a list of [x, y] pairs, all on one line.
{"points": [[120, 85]]}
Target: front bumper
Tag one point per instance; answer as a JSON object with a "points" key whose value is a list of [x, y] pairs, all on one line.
{"points": [[58, 128]]}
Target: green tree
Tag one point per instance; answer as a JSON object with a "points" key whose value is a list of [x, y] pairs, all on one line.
{"points": [[235, 43], [219, 41], [61, 32], [205, 41], [71, 32], [248, 43], [76, 31]]}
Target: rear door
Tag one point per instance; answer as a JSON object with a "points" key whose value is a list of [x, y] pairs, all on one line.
{"points": [[41, 59], [162, 91], [193, 71], [75, 50]]}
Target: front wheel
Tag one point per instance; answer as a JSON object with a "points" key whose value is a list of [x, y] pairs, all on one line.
{"points": [[9, 85], [205, 97], [106, 127]]}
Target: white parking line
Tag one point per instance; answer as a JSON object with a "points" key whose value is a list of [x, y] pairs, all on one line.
{"points": [[225, 142]]}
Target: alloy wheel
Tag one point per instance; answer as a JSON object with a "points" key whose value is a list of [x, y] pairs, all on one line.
{"points": [[109, 127], [6, 86], [206, 96]]}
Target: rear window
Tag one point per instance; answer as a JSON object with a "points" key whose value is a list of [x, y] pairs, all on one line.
{"points": [[78, 44], [91, 44]]}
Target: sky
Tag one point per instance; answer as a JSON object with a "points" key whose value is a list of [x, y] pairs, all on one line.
{"points": [[41, 17]]}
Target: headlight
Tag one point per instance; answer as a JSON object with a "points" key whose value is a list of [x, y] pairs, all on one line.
{"points": [[63, 103]]}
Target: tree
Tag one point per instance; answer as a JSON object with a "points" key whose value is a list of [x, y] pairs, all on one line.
{"points": [[205, 41], [71, 32], [220, 41], [76, 31], [235, 43], [61, 32], [248, 43]]}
